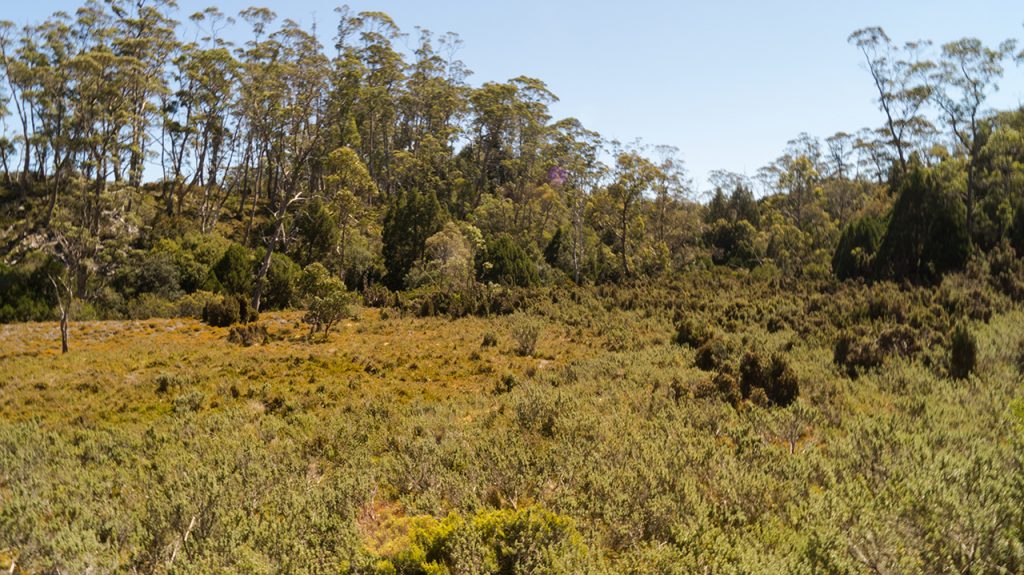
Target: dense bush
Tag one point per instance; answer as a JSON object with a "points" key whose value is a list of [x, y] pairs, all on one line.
{"points": [[326, 298], [855, 253], [500, 542], [525, 332], [927, 234], [224, 312], [775, 379], [692, 333], [505, 262], [963, 352], [235, 271], [248, 335], [712, 355]]}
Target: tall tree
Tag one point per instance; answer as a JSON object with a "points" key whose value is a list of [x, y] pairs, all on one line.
{"points": [[635, 175], [902, 94], [966, 72]]}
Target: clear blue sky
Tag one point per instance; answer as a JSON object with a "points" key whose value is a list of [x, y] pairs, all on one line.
{"points": [[728, 82]]}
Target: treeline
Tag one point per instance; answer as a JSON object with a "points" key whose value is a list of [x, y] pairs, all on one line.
{"points": [[391, 171]]}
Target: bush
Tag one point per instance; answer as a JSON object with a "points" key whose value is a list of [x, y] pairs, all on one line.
{"points": [[690, 333], [728, 388], [490, 340], [505, 262], [378, 295], [857, 246], [235, 270], [282, 276], [530, 540], [927, 233], [248, 335], [713, 355], [221, 313], [327, 300], [963, 352], [776, 380], [525, 333]]}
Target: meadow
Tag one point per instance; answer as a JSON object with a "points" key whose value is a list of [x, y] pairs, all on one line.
{"points": [[595, 430]]}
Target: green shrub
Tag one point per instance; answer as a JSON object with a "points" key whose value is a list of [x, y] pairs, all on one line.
{"points": [[499, 542], [327, 300], [775, 379], [281, 280], [691, 333], [855, 253], [713, 355], [963, 352], [927, 233], [235, 270], [525, 333], [505, 262], [248, 335], [222, 313]]}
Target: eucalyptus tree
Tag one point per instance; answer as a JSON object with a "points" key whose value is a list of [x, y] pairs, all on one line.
{"points": [[381, 86], [897, 73], [296, 92], [577, 172], [199, 120], [18, 76], [635, 176], [961, 81], [144, 37]]}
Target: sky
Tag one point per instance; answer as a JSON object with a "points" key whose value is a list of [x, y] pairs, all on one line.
{"points": [[727, 82]]}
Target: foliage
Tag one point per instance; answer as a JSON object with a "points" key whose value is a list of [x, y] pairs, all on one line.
{"points": [[327, 299], [505, 262], [855, 254], [963, 352], [927, 235]]}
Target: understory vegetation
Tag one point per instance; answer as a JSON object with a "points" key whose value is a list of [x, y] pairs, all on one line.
{"points": [[838, 428]]}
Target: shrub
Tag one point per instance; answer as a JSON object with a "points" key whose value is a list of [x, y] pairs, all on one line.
{"points": [[927, 233], [691, 333], [282, 276], [193, 305], [728, 388], [167, 381], [248, 335], [189, 402], [783, 386], [857, 246], [505, 262], [713, 355], [327, 300], [222, 313], [235, 270], [490, 340], [776, 380], [377, 295], [525, 333], [963, 352], [506, 384]]}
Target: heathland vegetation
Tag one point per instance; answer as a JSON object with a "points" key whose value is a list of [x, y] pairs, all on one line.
{"points": [[272, 306]]}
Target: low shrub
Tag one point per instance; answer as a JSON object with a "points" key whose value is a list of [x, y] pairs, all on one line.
{"points": [[963, 352], [713, 355], [249, 335], [775, 379], [691, 333], [222, 313], [525, 334]]}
